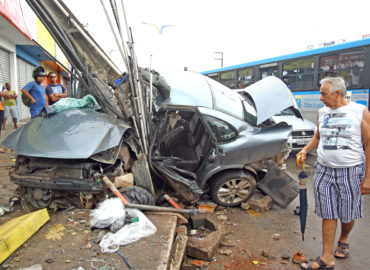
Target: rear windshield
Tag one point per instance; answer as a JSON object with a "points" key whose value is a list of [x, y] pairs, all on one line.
{"points": [[230, 102]]}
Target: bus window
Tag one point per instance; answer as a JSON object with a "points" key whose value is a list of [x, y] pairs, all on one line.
{"points": [[245, 76], [229, 79], [272, 71], [213, 76], [300, 74], [348, 65]]}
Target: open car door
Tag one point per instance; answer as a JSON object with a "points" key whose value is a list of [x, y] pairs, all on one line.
{"points": [[183, 144]]}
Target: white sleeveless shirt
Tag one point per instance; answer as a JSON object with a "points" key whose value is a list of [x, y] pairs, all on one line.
{"points": [[340, 143]]}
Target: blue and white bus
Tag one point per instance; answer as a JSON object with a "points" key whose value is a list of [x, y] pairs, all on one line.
{"points": [[349, 60]]}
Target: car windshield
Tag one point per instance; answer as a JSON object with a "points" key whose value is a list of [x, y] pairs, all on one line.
{"points": [[287, 111], [231, 102]]}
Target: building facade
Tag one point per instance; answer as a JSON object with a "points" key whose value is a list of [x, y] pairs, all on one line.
{"points": [[25, 44]]}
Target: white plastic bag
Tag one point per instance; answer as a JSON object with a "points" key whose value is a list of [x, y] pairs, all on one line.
{"points": [[129, 233], [110, 212]]}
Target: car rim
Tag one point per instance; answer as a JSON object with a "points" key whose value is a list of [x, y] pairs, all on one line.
{"points": [[234, 191]]}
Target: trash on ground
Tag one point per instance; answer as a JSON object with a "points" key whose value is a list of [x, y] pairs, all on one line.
{"points": [[16, 231], [56, 232], [128, 233], [8, 207], [299, 257], [109, 213]]}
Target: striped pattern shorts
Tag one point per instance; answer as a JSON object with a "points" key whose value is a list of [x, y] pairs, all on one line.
{"points": [[337, 192]]}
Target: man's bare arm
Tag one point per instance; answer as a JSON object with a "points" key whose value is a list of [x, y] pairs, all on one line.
{"points": [[365, 128]]}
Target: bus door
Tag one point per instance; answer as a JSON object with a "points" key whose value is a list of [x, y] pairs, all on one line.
{"points": [[270, 69]]}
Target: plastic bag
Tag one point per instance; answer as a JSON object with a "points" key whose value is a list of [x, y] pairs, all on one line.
{"points": [[110, 212], [129, 233], [70, 103]]}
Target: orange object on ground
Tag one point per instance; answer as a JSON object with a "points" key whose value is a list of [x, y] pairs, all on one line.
{"points": [[171, 201], [115, 190]]}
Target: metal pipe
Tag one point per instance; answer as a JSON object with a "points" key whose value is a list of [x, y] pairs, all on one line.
{"points": [[123, 55], [193, 211], [92, 43], [151, 86]]}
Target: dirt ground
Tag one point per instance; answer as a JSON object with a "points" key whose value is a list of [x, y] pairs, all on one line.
{"points": [[249, 233]]}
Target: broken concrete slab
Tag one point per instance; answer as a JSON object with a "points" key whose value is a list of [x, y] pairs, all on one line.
{"points": [[204, 249], [263, 205], [181, 220], [179, 248], [207, 220]]}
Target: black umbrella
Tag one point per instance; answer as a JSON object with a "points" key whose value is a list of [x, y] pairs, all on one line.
{"points": [[302, 197]]}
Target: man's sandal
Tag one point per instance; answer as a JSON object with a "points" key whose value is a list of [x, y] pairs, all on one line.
{"points": [[342, 248], [321, 263]]}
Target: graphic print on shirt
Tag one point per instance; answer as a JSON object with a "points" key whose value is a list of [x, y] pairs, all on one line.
{"points": [[335, 131]]}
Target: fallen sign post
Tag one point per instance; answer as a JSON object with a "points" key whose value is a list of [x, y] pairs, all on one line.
{"points": [[193, 211]]}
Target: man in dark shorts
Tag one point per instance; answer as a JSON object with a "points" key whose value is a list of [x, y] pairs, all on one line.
{"points": [[54, 90], [342, 173]]}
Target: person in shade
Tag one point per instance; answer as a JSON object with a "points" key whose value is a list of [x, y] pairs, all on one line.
{"points": [[36, 92], [342, 173], [54, 90], [10, 105]]}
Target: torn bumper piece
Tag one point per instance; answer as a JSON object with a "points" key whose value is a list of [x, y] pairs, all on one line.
{"points": [[56, 183], [279, 185]]}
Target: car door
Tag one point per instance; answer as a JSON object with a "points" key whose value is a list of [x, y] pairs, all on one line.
{"points": [[181, 147]]}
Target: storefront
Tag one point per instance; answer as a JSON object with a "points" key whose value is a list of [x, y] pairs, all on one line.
{"points": [[20, 54]]}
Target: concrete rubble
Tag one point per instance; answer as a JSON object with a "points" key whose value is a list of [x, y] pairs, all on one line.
{"points": [[204, 248], [262, 205]]}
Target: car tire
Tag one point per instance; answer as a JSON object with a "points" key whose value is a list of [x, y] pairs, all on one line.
{"points": [[233, 188]]}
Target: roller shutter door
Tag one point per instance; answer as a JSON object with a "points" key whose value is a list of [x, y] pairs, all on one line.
{"points": [[4, 67], [24, 76]]}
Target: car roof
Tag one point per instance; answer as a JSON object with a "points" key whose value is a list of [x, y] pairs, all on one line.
{"points": [[188, 89]]}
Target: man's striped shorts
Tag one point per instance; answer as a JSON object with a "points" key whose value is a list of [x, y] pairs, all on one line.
{"points": [[337, 192]]}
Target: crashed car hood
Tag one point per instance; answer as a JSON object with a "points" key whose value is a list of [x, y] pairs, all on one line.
{"points": [[271, 96], [71, 134]]}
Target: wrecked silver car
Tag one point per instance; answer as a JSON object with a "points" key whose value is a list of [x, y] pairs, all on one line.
{"points": [[206, 138], [179, 128]]}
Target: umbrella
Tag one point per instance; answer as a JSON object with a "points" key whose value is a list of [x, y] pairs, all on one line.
{"points": [[302, 196]]}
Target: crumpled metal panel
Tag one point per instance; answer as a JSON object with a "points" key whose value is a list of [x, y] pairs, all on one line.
{"points": [[71, 134]]}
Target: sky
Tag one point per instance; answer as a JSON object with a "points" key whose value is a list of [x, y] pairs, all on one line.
{"points": [[244, 30]]}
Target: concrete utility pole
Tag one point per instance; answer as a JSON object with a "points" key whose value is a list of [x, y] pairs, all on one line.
{"points": [[221, 58]]}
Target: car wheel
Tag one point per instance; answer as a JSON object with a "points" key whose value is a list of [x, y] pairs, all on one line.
{"points": [[233, 188]]}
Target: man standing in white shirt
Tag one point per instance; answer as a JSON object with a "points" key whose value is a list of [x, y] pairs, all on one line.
{"points": [[342, 173]]}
